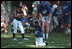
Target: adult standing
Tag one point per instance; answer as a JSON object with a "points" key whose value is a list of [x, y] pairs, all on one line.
{"points": [[44, 10]]}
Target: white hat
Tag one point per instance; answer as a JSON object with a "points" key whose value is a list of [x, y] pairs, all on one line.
{"points": [[54, 6]]}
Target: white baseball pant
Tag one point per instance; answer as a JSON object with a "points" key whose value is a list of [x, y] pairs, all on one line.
{"points": [[17, 24]]}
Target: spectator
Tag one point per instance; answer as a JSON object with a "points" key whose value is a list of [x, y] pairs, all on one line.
{"points": [[55, 15], [24, 9], [3, 24], [66, 9], [34, 5], [4, 16]]}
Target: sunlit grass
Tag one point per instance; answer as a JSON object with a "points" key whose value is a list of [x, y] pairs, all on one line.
{"points": [[55, 40]]}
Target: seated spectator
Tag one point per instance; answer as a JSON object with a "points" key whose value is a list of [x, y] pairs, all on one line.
{"points": [[3, 24]]}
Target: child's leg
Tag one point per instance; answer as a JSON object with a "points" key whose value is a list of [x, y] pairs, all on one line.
{"points": [[36, 41], [21, 28], [41, 40], [14, 27], [47, 28], [46, 35], [43, 35], [41, 43]]}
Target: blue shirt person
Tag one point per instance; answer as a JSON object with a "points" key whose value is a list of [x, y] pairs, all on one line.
{"points": [[55, 13], [44, 10], [66, 9], [38, 32]]}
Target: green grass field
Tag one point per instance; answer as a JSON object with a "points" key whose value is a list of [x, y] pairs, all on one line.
{"points": [[56, 40]]}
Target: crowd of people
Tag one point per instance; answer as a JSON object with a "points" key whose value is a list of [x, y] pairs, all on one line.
{"points": [[46, 18]]}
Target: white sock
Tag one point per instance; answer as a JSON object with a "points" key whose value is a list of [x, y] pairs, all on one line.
{"points": [[44, 35]]}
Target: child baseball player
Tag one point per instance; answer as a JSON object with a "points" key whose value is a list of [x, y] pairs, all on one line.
{"points": [[38, 34]]}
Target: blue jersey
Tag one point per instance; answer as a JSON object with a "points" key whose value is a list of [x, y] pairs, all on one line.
{"points": [[38, 32], [44, 10], [66, 7], [17, 18], [55, 13]]}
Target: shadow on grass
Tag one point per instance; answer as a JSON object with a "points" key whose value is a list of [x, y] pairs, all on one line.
{"points": [[56, 40]]}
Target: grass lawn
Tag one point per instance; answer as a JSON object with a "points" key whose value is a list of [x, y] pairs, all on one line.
{"points": [[56, 40]]}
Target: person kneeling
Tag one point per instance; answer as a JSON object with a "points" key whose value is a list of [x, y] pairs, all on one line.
{"points": [[39, 35]]}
